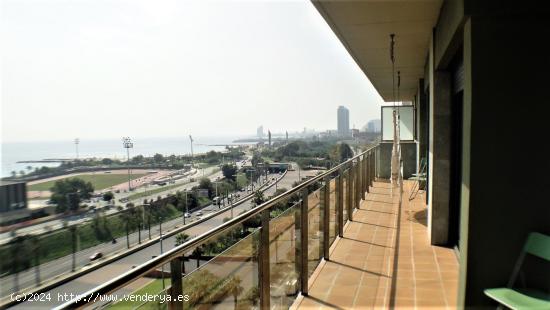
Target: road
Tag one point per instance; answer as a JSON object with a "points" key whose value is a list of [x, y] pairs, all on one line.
{"points": [[103, 274], [209, 172], [57, 267]]}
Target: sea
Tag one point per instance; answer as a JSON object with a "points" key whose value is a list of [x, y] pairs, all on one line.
{"points": [[12, 152]]}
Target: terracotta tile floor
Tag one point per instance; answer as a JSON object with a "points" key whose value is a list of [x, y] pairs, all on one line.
{"points": [[364, 272]]}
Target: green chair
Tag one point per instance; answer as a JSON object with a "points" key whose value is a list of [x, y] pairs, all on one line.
{"points": [[514, 298], [418, 178]]}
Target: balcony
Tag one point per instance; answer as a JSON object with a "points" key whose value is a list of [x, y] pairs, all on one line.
{"points": [[384, 260], [357, 247]]}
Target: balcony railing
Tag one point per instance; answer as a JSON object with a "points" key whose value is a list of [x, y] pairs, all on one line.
{"points": [[280, 243]]}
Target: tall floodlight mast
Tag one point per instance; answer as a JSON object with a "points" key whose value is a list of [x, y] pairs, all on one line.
{"points": [[127, 144], [191, 140], [76, 142]]}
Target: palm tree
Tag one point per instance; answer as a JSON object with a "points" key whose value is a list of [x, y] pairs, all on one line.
{"points": [[20, 258], [197, 253], [126, 216], [139, 217], [37, 251], [180, 239], [235, 288]]}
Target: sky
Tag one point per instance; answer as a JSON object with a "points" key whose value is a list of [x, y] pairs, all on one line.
{"points": [[103, 69]]}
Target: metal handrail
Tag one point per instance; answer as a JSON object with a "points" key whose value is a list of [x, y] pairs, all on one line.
{"points": [[134, 274]]}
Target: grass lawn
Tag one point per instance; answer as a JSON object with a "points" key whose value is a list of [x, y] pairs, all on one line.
{"points": [[153, 288], [99, 181]]}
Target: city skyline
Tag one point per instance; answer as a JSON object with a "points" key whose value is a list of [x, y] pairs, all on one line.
{"points": [[171, 69]]}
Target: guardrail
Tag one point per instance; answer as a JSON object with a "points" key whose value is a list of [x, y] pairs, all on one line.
{"points": [[349, 181]]}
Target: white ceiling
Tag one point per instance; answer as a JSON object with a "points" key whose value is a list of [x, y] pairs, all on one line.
{"points": [[364, 27]]}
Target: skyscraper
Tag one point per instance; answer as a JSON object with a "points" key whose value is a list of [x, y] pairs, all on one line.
{"points": [[260, 132], [343, 121]]}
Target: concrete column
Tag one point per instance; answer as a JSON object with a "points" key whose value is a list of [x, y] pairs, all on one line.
{"points": [[422, 121], [439, 154]]}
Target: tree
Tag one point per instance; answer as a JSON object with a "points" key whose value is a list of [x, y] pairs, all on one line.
{"points": [[29, 168], [242, 181], [205, 183], [107, 161], [235, 289], [108, 196], [129, 216], [137, 159], [100, 225], [256, 159], [181, 238], [13, 174], [158, 158], [197, 253], [259, 198], [20, 256], [345, 152], [229, 172], [67, 193]]}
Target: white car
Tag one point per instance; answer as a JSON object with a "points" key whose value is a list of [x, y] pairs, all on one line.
{"points": [[198, 213], [187, 215]]}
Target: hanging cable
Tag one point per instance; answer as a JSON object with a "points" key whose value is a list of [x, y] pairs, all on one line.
{"points": [[394, 157]]}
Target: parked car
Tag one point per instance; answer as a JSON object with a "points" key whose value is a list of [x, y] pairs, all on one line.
{"points": [[187, 215], [198, 213], [96, 255]]}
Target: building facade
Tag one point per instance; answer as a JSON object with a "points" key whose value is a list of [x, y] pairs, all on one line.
{"points": [[374, 125], [343, 121]]}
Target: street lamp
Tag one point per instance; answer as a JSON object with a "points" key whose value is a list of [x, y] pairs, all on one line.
{"points": [[127, 144], [161, 251], [191, 140]]}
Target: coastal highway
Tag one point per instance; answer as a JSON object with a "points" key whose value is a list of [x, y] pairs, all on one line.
{"points": [[105, 273], [62, 265], [57, 267], [184, 183]]}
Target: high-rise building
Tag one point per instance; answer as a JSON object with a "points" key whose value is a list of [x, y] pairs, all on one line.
{"points": [[260, 132], [374, 125], [343, 121]]}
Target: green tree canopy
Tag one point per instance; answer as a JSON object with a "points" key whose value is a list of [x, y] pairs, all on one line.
{"points": [[108, 196], [67, 193], [229, 172], [158, 158], [205, 183]]}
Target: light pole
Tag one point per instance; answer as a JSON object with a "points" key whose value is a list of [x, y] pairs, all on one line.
{"points": [[143, 206], [127, 144], [191, 140], [185, 211], [76, 142], [161, 251]]}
